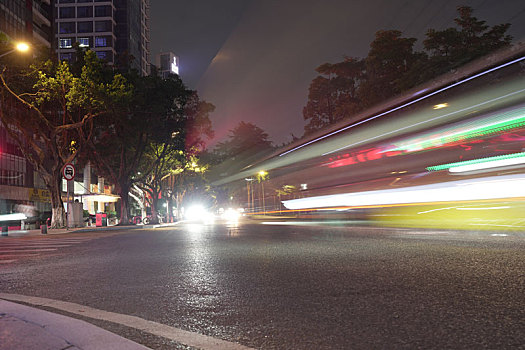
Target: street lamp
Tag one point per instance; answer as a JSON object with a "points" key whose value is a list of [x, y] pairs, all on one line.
{"points": [[262, 175], [20, 46], [248, 186]]}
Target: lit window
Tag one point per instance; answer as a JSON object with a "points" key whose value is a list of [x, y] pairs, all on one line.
{"points": [[65, 43], [83, 42], [101, 42]]}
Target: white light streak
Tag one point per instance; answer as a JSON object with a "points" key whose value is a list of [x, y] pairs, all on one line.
{"points": [[12, 217], [496, 187], [487, 165]]}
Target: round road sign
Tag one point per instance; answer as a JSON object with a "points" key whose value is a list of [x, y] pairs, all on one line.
{"points": [[68, 171]]}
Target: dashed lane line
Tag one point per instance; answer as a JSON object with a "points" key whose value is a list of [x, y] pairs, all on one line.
{"points": [[197, 340]]}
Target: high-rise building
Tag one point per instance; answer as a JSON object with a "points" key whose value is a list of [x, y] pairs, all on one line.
{"points": [[28, 20], [90, 24], [115, 30], [167, 63], [132, 32]]}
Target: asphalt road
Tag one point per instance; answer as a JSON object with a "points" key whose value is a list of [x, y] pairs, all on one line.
{"points": [[295, 287]]}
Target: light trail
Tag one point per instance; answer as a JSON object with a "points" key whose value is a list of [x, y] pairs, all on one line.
{"points": [[495, 187], [406, 104]]}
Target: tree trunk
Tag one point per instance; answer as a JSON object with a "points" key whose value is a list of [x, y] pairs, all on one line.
{"points": [[123, 192], [169, 210], [58, 214], [154, 212]]}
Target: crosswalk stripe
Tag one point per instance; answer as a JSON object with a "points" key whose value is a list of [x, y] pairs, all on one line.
{"points": [[12, 249], [28, 250], [36, 246], [16, 255]]}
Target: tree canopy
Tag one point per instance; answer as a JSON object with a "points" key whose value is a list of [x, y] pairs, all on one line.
{"points": [[49, 112], [393, 66]]}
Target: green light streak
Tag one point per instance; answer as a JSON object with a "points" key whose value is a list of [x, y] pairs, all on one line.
{"points": [[475, 161], [511, 120]]}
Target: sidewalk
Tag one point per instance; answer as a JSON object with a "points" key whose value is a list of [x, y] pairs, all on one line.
{"points": [[26, 328]]}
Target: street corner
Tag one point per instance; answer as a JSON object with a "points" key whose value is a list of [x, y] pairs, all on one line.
{"points": [[24, 327]]}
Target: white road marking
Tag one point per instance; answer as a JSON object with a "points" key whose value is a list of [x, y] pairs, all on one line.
{"points": [[197, 340]]}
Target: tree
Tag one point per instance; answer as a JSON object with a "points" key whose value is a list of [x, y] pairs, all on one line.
{"points": [[245, 141], [390, 57], [153, 125], [51, 116], [333, 94], [392, 66], [183, 180], [284, 190], [453, 47]]}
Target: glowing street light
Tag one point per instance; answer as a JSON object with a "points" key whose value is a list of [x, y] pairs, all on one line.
{"points": [[20, 46]]}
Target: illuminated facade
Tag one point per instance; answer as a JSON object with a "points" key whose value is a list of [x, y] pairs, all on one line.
{"points": [[167, 64]]}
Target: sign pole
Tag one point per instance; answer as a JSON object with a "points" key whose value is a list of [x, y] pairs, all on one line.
{"points": [[68, 172]]}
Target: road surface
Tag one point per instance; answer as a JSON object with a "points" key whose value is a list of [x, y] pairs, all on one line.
{"points": [[273, 286]]}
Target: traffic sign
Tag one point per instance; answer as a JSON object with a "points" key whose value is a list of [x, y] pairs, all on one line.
{"points": [[68, 171]]}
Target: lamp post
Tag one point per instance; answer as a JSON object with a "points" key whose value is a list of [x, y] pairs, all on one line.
{"points": [[248, 186], [262, 175]]}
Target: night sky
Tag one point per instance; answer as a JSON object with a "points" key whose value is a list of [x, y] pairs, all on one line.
{"points": [[255, 59]]}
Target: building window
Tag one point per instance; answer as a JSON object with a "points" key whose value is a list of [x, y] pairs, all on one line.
{"points": [[84, 11], [83, 42], [102, 55], [102, 11], [67, 27], [101, 41], [66, 56], [85, 27], [65, 43], [84, 0], [67, 1], [66, 12], [103, 26]]}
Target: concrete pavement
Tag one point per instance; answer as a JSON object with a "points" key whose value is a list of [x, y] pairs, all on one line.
{"points": [[23, 327]]}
